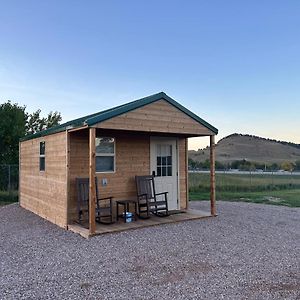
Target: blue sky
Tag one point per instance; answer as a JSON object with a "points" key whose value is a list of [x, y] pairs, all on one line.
{"points": [[234, 63]]}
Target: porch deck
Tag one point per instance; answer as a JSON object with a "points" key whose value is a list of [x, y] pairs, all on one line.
{"points": [[187, 215]]}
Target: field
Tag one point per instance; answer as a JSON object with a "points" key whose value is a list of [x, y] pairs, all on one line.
{"points": [[258, 188]]}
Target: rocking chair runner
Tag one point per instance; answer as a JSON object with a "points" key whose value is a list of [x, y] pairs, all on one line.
{"points": [[148, 199], [103, 205]]}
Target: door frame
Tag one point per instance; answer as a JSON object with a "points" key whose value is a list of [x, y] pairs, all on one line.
{"points": [[163, 138]]}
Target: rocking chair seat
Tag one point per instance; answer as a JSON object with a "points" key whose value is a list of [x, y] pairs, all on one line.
{"points": [[103, 210], [147, 198]]}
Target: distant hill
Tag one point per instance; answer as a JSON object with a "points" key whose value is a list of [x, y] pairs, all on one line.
{"points": [[251, 148]]}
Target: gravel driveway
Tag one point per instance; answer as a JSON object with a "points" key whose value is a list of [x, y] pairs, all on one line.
{"points": [[250, 251]]}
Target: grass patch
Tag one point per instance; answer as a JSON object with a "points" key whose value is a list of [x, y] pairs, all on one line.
{"points": [[257, 188], [8, 198], [287, 197]]}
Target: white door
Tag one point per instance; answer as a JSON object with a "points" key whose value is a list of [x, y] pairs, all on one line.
{"points": [[163, 161]]}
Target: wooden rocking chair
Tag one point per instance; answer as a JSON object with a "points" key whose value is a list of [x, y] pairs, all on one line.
{"points": [[103, 205], [148, 199]]}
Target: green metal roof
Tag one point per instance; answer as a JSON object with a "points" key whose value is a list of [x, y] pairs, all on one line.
{"points": [[104, 115]]}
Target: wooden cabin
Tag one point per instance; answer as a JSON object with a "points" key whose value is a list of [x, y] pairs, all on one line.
{"points": [[115, 145]]}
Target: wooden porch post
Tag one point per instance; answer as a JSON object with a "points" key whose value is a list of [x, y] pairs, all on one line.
{"points": [[187, 172], [212, 177], [92, 188]]}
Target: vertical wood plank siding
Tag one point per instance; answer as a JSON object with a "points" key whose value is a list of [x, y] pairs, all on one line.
{"points": [[45, 193], [79, 166]]}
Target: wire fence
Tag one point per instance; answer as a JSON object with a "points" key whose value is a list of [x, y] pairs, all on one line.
{"points": [[246, 180], [9, 182], [236, 184]]}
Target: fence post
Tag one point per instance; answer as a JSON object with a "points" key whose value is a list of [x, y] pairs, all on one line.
{"points": [[9, 180]]}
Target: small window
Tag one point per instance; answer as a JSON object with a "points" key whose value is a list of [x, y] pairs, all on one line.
{"points": [[164, 160], [42, 156], [105, 154]]}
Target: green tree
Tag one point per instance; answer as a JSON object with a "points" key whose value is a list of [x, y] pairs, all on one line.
{"points": [[12, 128], [273, 167], [287, 166], [219, 165], [15, 123], [36, 123], [297, 165], [206, 164], [191, 163]]}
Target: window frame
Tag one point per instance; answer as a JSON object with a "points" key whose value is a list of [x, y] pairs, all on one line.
{"points": [[160, 165], [42, 156], [106, 155]]}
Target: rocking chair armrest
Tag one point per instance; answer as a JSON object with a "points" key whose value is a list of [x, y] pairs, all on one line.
{"points": [[142, 195], [105, 198], [162, 193]]}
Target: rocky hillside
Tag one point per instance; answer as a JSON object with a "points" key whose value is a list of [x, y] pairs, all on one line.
{"points": [[251, 148]]}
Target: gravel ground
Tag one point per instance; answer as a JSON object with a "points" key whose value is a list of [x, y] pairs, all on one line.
{"points": [[250, 251]]}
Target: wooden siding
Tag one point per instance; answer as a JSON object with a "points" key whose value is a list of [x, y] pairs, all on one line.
{"points": [[79, 166], [45, 193], [49, 194], [160, 116], [132, 158]]}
